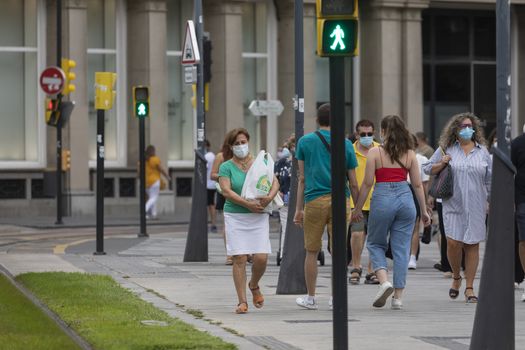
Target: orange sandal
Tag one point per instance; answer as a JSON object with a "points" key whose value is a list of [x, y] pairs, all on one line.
{"points": [[258, 298], [242, 308]]}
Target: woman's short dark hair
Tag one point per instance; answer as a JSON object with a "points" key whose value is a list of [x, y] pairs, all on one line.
{"points": [[323, 115], [232, 135]]}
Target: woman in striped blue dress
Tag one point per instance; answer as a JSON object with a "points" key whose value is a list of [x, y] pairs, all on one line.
{"points": [[462, 145]]}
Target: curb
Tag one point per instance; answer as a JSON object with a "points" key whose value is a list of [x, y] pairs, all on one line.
{"points": [[68, 330]]}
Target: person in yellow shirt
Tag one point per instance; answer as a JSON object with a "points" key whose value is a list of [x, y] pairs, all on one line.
{"points": [[364, 142], [153, 181]]}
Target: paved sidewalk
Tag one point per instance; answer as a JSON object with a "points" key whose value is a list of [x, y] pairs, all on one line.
{"points": [[153, 268]]}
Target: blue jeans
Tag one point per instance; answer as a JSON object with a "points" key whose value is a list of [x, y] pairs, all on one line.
{"points": [[392, 210]]}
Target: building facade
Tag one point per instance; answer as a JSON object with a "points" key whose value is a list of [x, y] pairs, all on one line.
{"points": [[422, 59]]}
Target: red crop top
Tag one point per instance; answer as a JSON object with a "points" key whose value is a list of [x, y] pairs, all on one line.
{"points": [[390, 174]]}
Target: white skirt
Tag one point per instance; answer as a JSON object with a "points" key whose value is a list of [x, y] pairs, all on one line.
{"points": [[247, 233]]}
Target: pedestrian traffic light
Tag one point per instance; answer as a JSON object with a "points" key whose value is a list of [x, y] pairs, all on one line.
{"points": [[206, 47], [66, 160], [67, 66], [52, 111], [104, 93], [337, 27], [141, 101]]}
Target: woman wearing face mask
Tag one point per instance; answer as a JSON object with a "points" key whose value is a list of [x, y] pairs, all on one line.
{"points": [[462, 146], [247, 227]]}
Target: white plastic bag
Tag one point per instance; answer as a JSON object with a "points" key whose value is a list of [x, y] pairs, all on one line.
{"points": [[259, 179]]}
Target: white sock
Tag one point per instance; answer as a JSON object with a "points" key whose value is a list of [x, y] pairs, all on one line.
{"points": [[310, 299], [413, 257]]}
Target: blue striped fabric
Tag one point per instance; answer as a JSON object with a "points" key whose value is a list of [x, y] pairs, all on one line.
{"points": [[464, 213]]}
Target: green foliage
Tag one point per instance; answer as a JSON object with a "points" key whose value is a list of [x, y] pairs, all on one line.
{"points": [[108, 316], [24, 326]]}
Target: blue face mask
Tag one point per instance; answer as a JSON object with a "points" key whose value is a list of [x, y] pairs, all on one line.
{"points": [[466, 133], [285, 153], [366, 141]]}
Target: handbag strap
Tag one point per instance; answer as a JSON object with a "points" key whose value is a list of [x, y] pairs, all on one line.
{"points": [[325, 143]]}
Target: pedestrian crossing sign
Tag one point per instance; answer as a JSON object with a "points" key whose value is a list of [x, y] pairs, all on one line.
{"points": [[337, 37]]}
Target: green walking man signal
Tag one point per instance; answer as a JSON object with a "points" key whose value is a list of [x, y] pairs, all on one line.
{"points": [[141, 101], [337, 27], [339, 35]]}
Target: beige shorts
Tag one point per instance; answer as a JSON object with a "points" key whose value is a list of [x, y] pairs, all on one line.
{"points": [[317, 216]]}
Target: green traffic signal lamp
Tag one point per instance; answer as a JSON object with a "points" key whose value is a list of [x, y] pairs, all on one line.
{"points": [[141, 101], [338, 37], [141, 109]]}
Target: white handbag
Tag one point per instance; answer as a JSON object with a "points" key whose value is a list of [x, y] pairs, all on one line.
{"points": [[259, 179]]}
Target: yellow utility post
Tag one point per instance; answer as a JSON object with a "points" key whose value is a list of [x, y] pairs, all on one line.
{"points": [[104, 90]]}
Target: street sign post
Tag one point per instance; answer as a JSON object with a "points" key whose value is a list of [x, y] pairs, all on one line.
{"points": [[190, 49], [261, 107], [52, 80], [190, 75]]}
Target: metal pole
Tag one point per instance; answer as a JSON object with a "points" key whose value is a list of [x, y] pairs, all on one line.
{"points": [[100, 182], [59, 123], [494, 323], [291, 274], [142, 161], [197, 242], [338, 161]]}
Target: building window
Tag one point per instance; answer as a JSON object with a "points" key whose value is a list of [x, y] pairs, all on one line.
{"points": [[22, 134], [255, 62], [459, 67], [106, 53], [180, 111]]}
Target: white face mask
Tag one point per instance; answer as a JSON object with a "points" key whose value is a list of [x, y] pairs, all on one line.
{"points": [[241, 151]]}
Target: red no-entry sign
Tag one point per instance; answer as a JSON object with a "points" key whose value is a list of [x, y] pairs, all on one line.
{"points": [[52, 80]]}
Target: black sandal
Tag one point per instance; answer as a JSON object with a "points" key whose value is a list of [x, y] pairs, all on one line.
{"points": [[470, 299], [371, 278], [453, 293], [353, 279]]}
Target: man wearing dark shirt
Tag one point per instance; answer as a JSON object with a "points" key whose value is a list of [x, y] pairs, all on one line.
{"points": [[517, 152]]}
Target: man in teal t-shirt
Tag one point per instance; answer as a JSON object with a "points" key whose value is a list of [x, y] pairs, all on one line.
{"points": [[314, 196]]}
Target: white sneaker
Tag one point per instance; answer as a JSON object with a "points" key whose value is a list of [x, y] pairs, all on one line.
{"points": [[331, 303], [304, 302], [397, 304], [523, 297], [385, 290], [412, 264]]}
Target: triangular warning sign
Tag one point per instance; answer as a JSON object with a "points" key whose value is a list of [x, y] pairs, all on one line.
{"points": [[190, 49]]}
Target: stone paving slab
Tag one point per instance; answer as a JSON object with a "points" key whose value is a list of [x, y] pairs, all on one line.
{"points": [[154, 269]]}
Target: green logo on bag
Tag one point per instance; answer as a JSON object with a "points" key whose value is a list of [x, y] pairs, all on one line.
{"points": [[263, 184]]}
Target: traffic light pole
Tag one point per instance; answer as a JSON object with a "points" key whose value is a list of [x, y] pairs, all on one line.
{"points": [[59, 122], [338, 162], [291, 274], [100, 182], [494, 323], [142, 164], [197, 241]]}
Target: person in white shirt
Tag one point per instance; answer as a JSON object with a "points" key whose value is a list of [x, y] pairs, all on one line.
{"points": [[414, 246], [210, 186]]}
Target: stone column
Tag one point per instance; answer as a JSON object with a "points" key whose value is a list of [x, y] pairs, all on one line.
{"points": [[391, 60], [413, 65], [147, 65], [286, 66], [75, 137], [223, 20]]}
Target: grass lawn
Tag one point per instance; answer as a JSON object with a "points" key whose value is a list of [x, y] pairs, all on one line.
{"points": [[109, 317], [24, 326]]}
